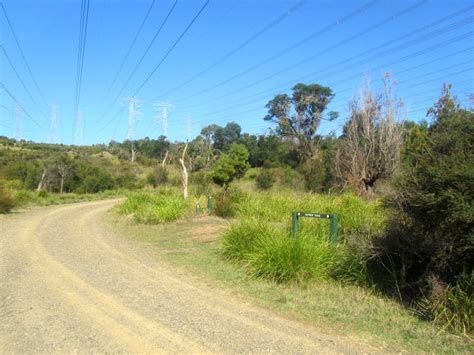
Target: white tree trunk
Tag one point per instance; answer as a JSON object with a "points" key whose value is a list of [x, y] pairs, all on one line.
{"points": [[185, 173], [164, 159], [133, 153], [42, 182]]}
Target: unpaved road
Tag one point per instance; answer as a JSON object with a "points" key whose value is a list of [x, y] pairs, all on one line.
{"points": [[68, 283]]}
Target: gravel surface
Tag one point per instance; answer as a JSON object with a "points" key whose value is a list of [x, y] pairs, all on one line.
{"points": [[70, 284]]}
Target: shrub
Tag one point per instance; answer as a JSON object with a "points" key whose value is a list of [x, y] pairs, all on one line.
{"points": [[430, 239], [6, 201], [165, 205], [201, 182], [450, 306], [268, 251], [239, 240], [226, 202], [223, 205], [265, 180]]}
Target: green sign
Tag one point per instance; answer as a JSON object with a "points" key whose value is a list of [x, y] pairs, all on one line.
{"points": [[332, 218]]}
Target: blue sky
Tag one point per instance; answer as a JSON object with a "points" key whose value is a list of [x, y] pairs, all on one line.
{"points": [[234, 58]]}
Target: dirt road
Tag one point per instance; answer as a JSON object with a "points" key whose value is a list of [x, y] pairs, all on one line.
{"points": [[68, 283]]}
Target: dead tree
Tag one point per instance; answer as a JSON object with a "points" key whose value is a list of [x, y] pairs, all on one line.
{"points": [[164, 159], [62, 171], [43, 181], [185, 173], [370, 147]]}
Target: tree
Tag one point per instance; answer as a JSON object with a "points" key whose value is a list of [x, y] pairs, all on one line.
{"points": [[184, 176], [298, 117], [429, 248], [369, 149], [230, 165], [224, 137]]}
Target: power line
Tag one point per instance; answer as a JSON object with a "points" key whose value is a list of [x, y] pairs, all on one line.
{"points": [[18, 103], [436, 46], [22, 82], [332, 47], [163, 59], [22, 53], [405, 88], [150, 44], [147, 14], [265, 124], [242, 45], [361, 54], [83, 22], [312, 36]]}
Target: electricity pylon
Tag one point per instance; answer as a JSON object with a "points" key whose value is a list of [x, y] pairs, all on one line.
{"points": [[163, 109], [133, 104]]}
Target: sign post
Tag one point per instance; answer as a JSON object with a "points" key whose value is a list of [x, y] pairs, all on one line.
{"points": [[295, 219], [210, 204]]}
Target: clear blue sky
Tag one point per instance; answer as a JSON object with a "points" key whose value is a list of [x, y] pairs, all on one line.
{"points": [[248, 50]]}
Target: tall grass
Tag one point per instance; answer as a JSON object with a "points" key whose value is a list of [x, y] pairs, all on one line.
{"points": [[260, 237], [159, 206], [268, 251]]}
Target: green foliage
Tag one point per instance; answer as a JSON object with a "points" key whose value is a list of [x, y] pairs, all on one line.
{"points": [[225, 202], [270, 252], [450, 306], [430, 241], [265, 180], [159, 176], [230, 165], [162, 205], [261, 238], [308, 101]]}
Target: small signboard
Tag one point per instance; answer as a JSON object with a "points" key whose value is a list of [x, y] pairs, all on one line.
{"points": [[332, 217]]}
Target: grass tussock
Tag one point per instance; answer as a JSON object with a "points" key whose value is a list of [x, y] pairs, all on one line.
{"points": [[160, 206], [261, 240], [268, 251]]}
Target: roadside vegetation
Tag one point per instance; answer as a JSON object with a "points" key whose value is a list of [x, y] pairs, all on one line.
{"points": [[403, 193]]}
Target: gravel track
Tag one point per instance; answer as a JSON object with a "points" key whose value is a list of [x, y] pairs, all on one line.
{"points": [[68, 283]]}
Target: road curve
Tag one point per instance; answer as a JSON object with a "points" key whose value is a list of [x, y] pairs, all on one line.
{"points": [[70, 284]]}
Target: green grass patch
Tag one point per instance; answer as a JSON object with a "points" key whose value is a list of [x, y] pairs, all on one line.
{"points": [[360, 315], [156, 206], [260, 239], [268, 251]]}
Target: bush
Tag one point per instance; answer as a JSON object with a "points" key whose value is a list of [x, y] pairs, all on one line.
{"points": [[226, 201], [223, 205], [201, 182], [265, 180], [158, 177], [164, 205], [429, 246], [6, 201], [268, 251], [450, 306]]}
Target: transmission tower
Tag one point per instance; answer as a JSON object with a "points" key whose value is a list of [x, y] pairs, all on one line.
{"points": [[18, 123], [79, 136], [133, 104], [53, 128], [163, 109]]}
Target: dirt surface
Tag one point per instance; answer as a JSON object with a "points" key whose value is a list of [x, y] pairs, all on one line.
{"points": [[70, 284]]}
